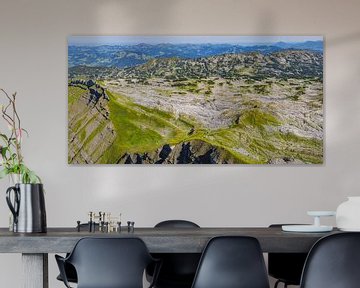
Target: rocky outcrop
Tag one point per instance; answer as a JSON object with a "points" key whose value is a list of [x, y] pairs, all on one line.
{"points": [[91, 132], [285, 161], [191, 152], [96, 92]]}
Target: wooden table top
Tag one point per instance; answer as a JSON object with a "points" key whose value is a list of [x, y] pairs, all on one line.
{"points": [[158, 240]]}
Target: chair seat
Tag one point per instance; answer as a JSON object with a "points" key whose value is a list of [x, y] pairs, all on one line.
{"points": [[178, 270]]}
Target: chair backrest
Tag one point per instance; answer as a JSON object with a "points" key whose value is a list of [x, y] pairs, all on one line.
{"points": [[333, 262], [176, 224], [110, 262], [177, 268], [232, 262]]}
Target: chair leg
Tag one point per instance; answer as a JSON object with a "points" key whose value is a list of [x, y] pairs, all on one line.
{"points": [[278, 282]]}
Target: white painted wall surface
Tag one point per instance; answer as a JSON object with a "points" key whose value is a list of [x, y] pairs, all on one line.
{"points": [[33, 62]]}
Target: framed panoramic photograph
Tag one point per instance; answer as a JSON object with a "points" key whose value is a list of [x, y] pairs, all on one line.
{"points": [[195, 100]]}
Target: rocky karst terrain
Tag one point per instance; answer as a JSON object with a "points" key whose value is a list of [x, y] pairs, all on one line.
{"points": [[297, 103]]}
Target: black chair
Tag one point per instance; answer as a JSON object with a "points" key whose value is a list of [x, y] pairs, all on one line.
{"points": [[69, 269], [178, 269], [108, 263], [333, 262], [286, 267], [232, 262], [70, 273]]}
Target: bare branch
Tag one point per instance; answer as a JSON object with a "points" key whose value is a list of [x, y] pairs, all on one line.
{"points": [[15, 124]]}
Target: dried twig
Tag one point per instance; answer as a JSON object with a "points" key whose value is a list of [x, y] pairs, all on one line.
{"points": [[10, 152]]}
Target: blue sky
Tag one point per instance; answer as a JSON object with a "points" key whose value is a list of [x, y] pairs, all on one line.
{"points": [[241, 40]]}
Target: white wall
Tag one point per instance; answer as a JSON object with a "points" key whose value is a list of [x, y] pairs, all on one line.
{"points": [[33, 62]]}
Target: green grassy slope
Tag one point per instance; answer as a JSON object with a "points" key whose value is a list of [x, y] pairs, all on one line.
{"points": [[141, 129]]}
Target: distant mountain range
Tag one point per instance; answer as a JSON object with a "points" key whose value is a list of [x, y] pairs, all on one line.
{"points": [[123, 56], [256, 65], [308, 45]]}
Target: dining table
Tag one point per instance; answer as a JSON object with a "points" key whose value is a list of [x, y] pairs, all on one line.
{"points": [[35, 247]]}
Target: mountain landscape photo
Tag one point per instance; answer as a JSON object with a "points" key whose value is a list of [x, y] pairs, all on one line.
{"points": [[195, 100]]}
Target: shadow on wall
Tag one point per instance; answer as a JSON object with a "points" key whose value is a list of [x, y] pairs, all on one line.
{"points": [[266, 24], [345, 39], [146, 16]]}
